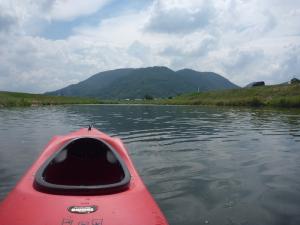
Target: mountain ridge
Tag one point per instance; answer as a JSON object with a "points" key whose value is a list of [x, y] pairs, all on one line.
{"points": [[133, 83]]}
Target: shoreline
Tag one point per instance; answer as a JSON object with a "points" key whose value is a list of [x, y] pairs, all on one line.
{"points": [[275, 96]]}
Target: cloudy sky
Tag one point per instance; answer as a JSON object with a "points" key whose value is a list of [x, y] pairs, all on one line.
{"points": [[48, 44]]}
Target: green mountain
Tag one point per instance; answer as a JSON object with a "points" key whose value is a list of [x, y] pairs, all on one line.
{"points": [[158, 82]]}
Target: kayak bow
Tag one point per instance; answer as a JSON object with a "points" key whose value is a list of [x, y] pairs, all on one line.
{"points": [[83, 178]]}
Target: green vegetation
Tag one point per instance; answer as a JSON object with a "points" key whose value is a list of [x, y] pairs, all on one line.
{"points": [[148, 97], [273, 96], [287, 96], [10, 99]]}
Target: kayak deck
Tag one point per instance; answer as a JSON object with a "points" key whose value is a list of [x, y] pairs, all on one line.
{"points": [[133, 205]]}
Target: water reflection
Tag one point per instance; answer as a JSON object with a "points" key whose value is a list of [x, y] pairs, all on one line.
{"points": [[215, 165]]}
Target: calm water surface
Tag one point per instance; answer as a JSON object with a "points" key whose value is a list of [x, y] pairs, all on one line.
{"points": [[202, 165]]}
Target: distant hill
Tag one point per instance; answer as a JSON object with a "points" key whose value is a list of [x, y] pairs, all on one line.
{"points": [[158, 82]]}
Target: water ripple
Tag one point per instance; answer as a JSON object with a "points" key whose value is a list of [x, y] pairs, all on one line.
{"points": [[215, 165]]}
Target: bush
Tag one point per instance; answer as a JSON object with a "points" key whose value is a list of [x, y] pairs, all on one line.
{"points": [[148, 97], [256, 102]]}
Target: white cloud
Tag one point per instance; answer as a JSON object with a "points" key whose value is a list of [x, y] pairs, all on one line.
{"points": [[289, 65], [242, 40], [44, 65], [178, 17], [117, 31], [70, 9]]}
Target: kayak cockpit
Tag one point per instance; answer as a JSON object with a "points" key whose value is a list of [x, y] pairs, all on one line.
{"points": [[84, 166]]}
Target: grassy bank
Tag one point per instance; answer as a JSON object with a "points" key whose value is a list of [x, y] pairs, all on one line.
{"points": [[272, 96], [11, 99], [285, 96]]}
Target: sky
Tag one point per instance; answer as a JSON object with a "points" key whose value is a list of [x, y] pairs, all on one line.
{"points": [[48, 44]]}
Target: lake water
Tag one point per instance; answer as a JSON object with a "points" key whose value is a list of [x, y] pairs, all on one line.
{"points": [[203, 165]]}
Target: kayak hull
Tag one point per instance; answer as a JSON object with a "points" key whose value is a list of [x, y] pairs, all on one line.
{"points": [[133, 206]]}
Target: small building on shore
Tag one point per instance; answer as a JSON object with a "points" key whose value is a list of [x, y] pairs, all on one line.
{"points": [[256, 84], [294, 81]]}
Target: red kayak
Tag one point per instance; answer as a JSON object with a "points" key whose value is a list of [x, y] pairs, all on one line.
{"points": [[83, 178]]}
